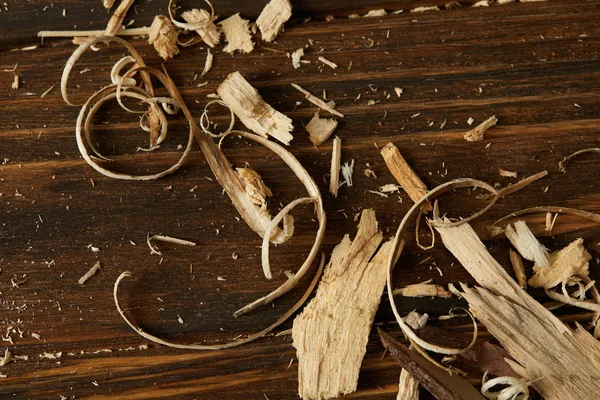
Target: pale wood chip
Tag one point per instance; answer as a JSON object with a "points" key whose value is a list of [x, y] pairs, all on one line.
{"points": [[526, 243], [163, 36], [336, 158], [416, 320], [237, 34], [297, 57], [15, 82], [318, 102], [254, 186], [517, 264], [90, 273], [108, 3], [271, 19], [424, 9], [327, 62], [207, 63], [423, 290], [408, 387], [477, 133], [572, 260], [376, 13], [331, 333], [258, 116], [203, 25], [320, 129], [404, 174], [507, 174]]}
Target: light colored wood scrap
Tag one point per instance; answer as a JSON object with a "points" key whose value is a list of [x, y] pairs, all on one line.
{"points": [[90, 273], [399, 91], [423, 290], [163, 36], [6, 359], [376, 13], [271, 19], [15, 82], [416, 320], [334, 172], [237, 34], [115, 23], [571, 260], [560, 363], [408, 387], [404, 174], [526, 243], [327, 62], [207, 63], [258, 116], [317, 102], [108, 3], [517, 264], [477, 133], [331, 334], [203, 25], [320, 129], [297, 57], [254, 186], [506, 173]]}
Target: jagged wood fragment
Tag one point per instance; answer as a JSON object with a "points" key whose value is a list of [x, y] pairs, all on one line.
{"points": [[320, 129], [564, 263], [297, 57], [331, 333], [477, 133], [423, 290], [334, 172], [408, 387], [543, 347], [404, 174], [526, 243], [237, 34], [434, 379], [116, 21], [203, 24], [254, 186], [416, 320], [90, 273], [271, 19], [163, 36], [317, 102], [517, 264], [258, 116]]}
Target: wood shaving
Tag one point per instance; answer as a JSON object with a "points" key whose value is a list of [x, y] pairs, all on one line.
{"points": [[424, 9], [470, 121], [90, 273], [327, 62], [526, 243], [15, 82], [202, 22], [347, 171], [517, 263], [561, 165], [333, 329], [297, 57], [51, 356], [163, 36], [564, 263], [82, 36], [336, 157], [253, 111], [408, 387], [46, 92], [404, 174], [115, 22], [399, 91], [207, 63], [320, 129], [167, 239], [494, 229], [416, 320], [318, 102], [6, 359], [477, 133], [237, 34], [389, 188], [423, 290], [376, 13], [507, 174], [521, 184], [271, 19], [510, 388], [254, 186], [108, 3]]}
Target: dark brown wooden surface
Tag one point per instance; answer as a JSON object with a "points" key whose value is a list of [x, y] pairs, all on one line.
{"points": [[533, 65]]}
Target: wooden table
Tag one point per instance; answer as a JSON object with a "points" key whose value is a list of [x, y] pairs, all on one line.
{"points": [[533, 65]]}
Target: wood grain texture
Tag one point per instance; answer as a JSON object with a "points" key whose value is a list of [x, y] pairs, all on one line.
{"points": [[536, 65]]}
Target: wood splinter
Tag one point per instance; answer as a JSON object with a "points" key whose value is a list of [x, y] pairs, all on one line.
{"points": [[331, 333], [517, 264], [334, 172], [317, 102], [258, 116], [404, 174], [90, 273], [423, 290], [163, 36], [271, 19], [320, 129], [203, 24], [526, 243], [477, 133], [237, 34]]}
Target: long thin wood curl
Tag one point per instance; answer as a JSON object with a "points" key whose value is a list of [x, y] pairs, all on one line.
{"points": [[561, 165], [228, 345]]}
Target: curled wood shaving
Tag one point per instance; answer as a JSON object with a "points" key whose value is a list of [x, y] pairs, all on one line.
{"points": [[320, 129], [336, 157], [517, 263], [477, 133], [116, 21], [90, 273], [201, 21], [317, 102], [327, 62], [511, 388], [163, 36], [404, 174], [561, 165], [252, 110], [271, 19], [526, 243], [166, 239], [423, 290], [493, 229], [333, 329], [230, 344], [297, 57], [572, 260], [254, 186], [237, 34], [115, 72], [205, 121], [565, 298]]}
